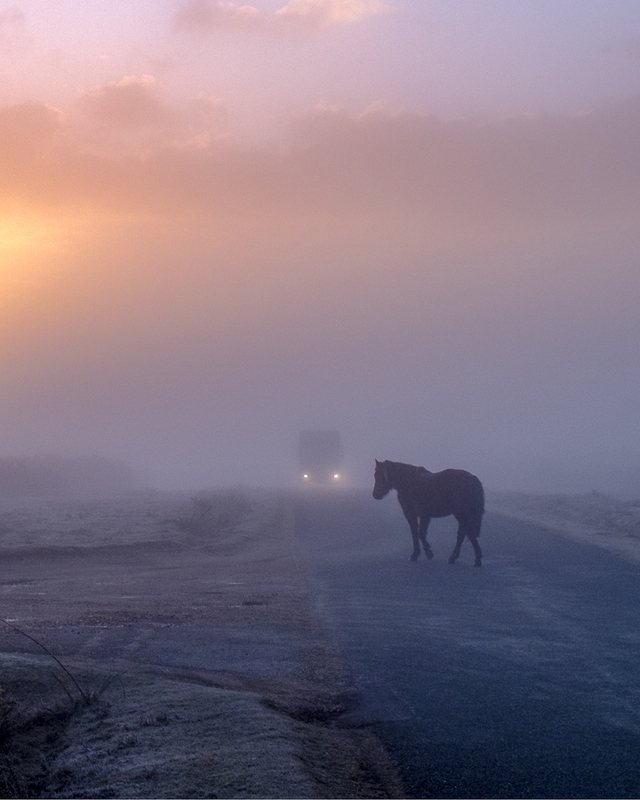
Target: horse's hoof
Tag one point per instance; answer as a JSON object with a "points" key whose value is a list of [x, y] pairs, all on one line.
{"points": [[429, 555], [413, 558], [478, 564], [452, 560]]}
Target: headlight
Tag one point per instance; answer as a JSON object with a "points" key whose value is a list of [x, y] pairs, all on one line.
{"points": [[336, 477]]}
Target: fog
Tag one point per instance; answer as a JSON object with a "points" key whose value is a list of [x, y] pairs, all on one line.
{"points": [[452, 293], [518, 363]]}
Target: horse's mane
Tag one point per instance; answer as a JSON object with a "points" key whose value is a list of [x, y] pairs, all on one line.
{"points": [[406, 470]]}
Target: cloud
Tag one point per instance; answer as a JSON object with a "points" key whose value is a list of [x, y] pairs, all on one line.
{"points": [[321, 14], [533, 170], [130, 117], [28, 123], [29, 133], [13, 36], [203, 16], [129, 103], [12, 17], [528, 167]]}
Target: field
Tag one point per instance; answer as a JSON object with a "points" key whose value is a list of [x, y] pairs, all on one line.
{"points": [[161, 645], [593, 518]]}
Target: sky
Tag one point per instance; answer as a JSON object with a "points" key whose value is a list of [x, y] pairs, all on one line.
{"points": [[414, 222]]}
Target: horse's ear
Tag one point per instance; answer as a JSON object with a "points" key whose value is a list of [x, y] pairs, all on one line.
{"points": [[377, 463]]}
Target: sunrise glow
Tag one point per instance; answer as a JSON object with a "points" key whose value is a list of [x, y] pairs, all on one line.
{"points": [[22, 235]]}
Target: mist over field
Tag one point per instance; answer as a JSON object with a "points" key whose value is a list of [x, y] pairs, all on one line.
{"points": [[414, 226]]}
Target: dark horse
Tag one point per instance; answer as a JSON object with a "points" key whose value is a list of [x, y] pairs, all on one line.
{"points": [[423, 494]]}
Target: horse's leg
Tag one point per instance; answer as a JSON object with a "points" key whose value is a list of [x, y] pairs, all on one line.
{"points": [[476, 548], [411, 515], [422, 533], [460, 538], [415, 533], [473, 534]]}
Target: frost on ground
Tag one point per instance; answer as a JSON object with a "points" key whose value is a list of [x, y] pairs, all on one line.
{"points": [[188, 624], [145, 736], [134, 518], [609, 522]]}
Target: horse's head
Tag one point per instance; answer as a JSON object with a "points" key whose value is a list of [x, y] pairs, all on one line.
{"points": [[382, 484]]}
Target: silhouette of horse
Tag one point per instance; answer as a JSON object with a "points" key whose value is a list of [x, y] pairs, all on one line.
{"points": [[423, 495]]}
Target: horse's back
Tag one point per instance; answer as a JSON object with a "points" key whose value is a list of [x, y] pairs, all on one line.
{"points": [[452, 491]]}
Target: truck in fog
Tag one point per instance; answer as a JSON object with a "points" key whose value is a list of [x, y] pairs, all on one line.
{"points": [[320, 456]]}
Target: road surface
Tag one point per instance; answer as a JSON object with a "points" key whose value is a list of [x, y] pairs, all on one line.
{"points": [[519, 679]]}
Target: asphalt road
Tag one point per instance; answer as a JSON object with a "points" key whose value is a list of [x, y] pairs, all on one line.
{"points": [[519, 679]]}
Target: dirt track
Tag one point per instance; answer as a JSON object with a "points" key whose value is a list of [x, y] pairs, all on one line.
{"points": [[190, 627]]}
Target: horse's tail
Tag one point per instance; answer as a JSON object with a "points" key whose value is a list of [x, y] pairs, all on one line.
{"points": [[480, 497], [477, 502]]}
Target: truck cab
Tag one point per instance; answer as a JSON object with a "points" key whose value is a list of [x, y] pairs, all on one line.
{"points": [[320, 457]]}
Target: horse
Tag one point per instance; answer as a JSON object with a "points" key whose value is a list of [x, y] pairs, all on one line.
{"points": [[423, 495]]}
